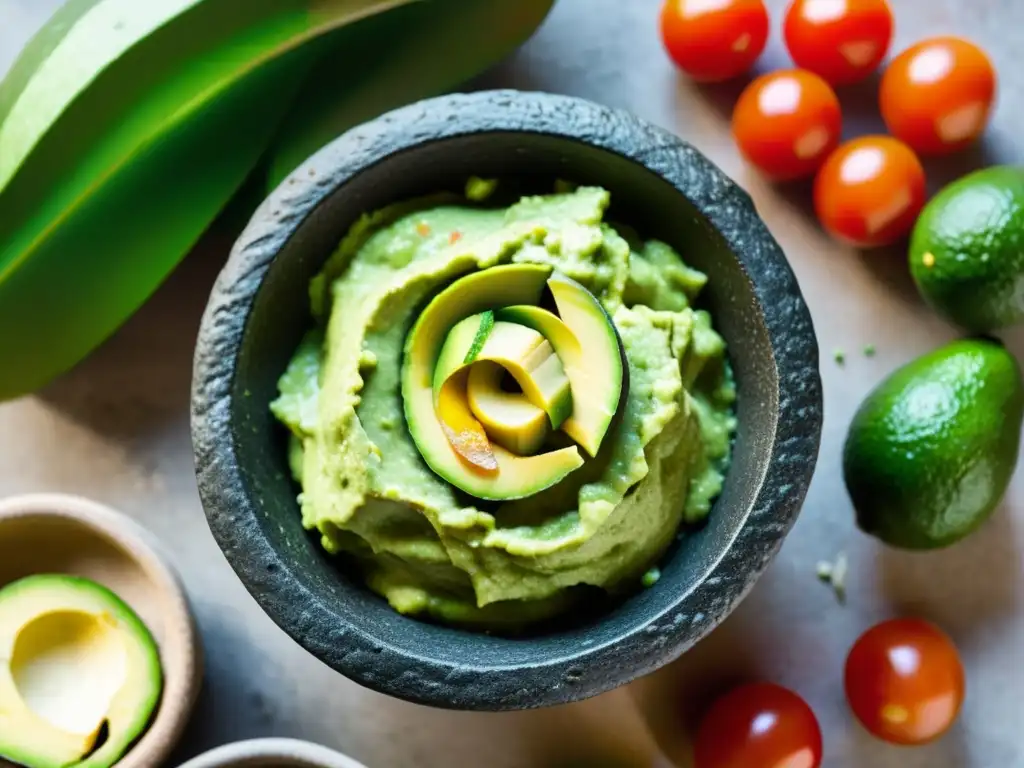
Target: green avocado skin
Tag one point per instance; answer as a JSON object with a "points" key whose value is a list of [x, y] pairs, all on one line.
{"points": [[974, 231], [931, 450]]}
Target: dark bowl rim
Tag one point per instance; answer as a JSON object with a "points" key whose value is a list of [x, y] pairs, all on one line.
{"points": [[730, 210]]}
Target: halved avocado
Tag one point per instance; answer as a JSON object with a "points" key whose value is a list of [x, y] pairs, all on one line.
{"points": [[515, 476], [509, 418], [585, 340], [75, 662]]}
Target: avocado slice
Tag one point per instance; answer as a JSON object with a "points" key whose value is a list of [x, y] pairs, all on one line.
{"points": [[509, 418], [521, 351], [73, 659], [585, 340], [467, 435], [515, 476]]}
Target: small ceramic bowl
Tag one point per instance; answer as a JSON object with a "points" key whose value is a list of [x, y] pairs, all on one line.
{"points": [[258, 311], [52, 533], [272, 753]]}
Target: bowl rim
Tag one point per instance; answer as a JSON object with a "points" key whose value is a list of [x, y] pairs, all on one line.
{"points": [[181, 661], [293, 753], [793, 450]]}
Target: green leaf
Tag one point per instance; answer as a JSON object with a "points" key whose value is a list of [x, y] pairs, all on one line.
{"points": [[124, 129], [427, 49]]}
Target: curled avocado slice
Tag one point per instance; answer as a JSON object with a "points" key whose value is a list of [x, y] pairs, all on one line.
{"points": [[467, 435], [515, 476], [522, 351], [75, 663], [487, 329], [585, 340], [509, 418]]}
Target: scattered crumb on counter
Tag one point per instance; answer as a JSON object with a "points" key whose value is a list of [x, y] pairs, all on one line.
{"points": [[834, 574]]}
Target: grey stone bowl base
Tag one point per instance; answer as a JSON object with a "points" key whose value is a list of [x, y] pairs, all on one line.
{"points": [[258, 311]]}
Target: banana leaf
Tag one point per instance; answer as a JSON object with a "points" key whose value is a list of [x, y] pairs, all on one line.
{"points": [[413, 52], [125, 127]]}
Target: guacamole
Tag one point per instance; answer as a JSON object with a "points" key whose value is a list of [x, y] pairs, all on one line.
{"points": [[372, 483]]}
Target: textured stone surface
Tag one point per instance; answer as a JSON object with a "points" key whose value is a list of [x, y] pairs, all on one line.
{"points": [[758, 309], [116, 429]]}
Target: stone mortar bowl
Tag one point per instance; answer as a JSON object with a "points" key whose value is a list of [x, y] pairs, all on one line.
{"points": [[259, 309]]}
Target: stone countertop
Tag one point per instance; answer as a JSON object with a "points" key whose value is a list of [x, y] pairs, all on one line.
{"points": [[116, 429]]}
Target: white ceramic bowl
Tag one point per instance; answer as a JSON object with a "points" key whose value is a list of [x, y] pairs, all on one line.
{"points": [[272, 753], [52, 533]]}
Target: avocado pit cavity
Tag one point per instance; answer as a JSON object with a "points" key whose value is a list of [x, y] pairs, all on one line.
{"points": [[67, 666]]}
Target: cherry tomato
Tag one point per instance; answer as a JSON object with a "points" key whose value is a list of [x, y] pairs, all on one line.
{"points": [[760, 725], [904, 681], [786, 123], [844, 41], [937, 95], [870, 191], [714, 40]]}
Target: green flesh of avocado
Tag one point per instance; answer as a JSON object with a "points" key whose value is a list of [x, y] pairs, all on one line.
{"points": [[522, 351], [444, 318], [570, 368], [585, 340], [510, 419], [73, 658]]}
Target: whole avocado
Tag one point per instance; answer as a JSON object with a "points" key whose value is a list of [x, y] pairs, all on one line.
{"points": [[967, 250], [931, 450]]}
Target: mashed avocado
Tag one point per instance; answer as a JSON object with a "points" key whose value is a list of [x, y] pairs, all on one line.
{"points": [[436, 551]]}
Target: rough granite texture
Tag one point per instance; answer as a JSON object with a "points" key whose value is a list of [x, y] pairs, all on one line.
{"points": [[470, 670]]}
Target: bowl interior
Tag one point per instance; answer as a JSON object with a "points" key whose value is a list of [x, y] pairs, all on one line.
{"points": [[42, 543], [58, 534], [280, 315]]}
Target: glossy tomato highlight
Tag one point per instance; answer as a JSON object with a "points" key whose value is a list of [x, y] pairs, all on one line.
{"points": [[713, 40], [870, 191], [786, 123], [937, 95], [760, 725], [905, 681], [843, 41]]}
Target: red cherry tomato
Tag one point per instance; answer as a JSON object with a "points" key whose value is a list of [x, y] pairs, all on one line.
{"points": [[870, 191], [760, 725], [786, 123], [844, 41], [937, 95], [714, 40], [905, 681]]}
